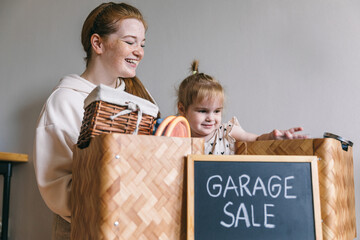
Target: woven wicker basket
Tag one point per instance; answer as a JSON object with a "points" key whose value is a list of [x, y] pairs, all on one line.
{"points": [[97, 121], [131, 187], [103, 103], [336, 179]]}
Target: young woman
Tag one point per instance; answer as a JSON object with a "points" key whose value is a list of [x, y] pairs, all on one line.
{"points": [[200, 101], [113, 37]]}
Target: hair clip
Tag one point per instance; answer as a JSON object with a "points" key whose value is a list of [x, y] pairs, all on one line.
{"points": [[194, 72]]}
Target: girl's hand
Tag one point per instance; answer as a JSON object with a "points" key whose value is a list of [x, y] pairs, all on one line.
{"points": [[287, 134]]}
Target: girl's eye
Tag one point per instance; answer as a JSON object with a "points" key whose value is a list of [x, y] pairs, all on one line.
{"points": [[217, 111], [202, 111], [142, 45]]}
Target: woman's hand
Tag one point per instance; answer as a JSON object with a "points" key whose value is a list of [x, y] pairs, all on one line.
{"points": [[287, 134]]}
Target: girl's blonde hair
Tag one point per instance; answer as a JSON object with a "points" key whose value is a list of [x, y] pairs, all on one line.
{"points": [[198, 87]]}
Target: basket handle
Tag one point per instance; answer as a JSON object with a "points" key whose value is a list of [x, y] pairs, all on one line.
{"points": [[132, 107]]}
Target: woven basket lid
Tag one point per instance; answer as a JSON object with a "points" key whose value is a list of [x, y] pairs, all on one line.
{"points": [[119, 97]]}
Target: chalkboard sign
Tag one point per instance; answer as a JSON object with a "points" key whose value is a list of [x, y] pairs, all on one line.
{"points": [[253, 197]]}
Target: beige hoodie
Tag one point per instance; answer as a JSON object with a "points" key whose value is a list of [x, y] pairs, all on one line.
{"points": [[56, 134]]}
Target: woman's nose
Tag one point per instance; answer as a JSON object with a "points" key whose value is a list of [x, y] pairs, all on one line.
{"points": [[139, 52]]}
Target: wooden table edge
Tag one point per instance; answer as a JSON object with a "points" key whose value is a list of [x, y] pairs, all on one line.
{"points": [[13, 157]]}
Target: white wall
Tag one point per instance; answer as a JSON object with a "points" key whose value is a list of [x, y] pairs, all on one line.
{"points": [[283, 64]]}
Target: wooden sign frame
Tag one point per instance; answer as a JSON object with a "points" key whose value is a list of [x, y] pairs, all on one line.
{"points": [[191, 159]]}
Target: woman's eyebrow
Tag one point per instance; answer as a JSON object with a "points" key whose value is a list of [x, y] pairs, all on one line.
{"points": [[132, 36]]}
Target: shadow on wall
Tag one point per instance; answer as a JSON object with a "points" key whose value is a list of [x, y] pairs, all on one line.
{"points": [[29, 216]]}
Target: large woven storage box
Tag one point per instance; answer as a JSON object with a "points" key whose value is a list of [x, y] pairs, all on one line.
{"points": [[336, 179], [131, 187]]}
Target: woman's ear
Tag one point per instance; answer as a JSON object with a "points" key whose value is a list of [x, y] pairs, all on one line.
{"points": [[181, 109], [97, 43]]}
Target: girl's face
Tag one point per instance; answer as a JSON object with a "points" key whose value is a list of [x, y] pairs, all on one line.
{"points": [[204, 117], [124, 49]]}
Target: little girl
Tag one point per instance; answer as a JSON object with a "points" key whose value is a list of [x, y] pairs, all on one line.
{"points": [[200, 101]]}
